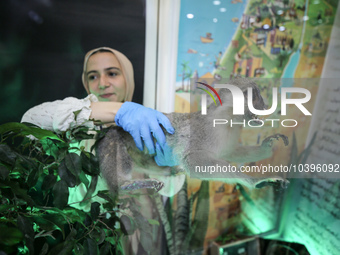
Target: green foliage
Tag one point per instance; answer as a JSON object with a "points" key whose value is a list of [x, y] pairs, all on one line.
{"points": [[200, 223], [35, 177], [283, 56], [185, 234]]}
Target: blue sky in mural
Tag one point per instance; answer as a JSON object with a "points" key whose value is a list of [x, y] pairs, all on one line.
{"points": [[197, 18]]}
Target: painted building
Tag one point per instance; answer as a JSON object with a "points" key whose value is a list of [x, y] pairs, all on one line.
{"points": [[250, 67], [279, 38], [247, 21]]}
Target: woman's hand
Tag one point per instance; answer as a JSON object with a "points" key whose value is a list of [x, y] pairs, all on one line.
{"points": [[165, 156], [143, 124]]}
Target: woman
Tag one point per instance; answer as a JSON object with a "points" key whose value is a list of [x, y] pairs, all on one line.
{"points": [[108, 79]]}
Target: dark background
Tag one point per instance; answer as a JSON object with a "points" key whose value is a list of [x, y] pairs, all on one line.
{"points": [[43, 43]]}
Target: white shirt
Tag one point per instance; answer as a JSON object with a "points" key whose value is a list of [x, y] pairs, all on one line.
{"points": [[60, 115]]}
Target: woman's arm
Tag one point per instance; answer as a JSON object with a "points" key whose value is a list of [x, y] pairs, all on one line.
{"points": [[141, 122], [104, 111], [61, 115]]}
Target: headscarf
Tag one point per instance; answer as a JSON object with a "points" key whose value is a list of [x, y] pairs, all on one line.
{"points": [[127, 70]]}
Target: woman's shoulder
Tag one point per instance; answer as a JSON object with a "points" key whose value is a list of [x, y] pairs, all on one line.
{"points": [[68, 101], [90, 98], [59, 115]]}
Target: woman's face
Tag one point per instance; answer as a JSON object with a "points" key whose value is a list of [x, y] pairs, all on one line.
{"points": [[105, 78]]}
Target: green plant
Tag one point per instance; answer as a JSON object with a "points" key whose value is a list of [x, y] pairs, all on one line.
{"points": [[186, 73], [35, 177], [184, 233]]}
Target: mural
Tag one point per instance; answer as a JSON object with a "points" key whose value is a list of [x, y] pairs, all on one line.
{"points": [[267, 39], [272, 40]]}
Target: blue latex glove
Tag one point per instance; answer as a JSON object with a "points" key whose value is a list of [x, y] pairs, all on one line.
{"points": [[143, 123], [165, 156]]}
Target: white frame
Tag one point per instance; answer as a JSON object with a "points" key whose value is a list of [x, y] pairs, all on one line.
{"points": [[162, 24]]}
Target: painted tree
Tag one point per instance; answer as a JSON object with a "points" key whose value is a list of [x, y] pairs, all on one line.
{"points": [[291, 43], [239, 70], [317, 36], [186, 72], [282, 57], [187, 77]]}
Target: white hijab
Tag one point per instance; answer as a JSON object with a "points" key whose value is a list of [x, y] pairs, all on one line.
{"points": [[127, 70]]}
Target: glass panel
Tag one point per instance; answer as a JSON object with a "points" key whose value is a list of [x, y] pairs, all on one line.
{"points": [[43, 44]]}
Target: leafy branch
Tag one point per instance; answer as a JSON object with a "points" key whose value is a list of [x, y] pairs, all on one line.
{"points": [[38, 168]]}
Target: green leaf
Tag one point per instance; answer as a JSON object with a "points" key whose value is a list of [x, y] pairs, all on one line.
{"points": [[57, 221], [60, 194], [78, 249], [82, 133], [128, 226], [201, 216], [95, 210], [90, 163], [153, 222], [73, 163], [72, 234], [101, 237], [49, 181], [6, 208], [139, 219], [146, 240], [45, 223], [7, 155], [25, 163], [74, 215], [24, 130], [67, 176], [105, 249], [44, 249], [3, 172], [98, 235], [12, 127], [10, 236], [20, 193], [34, 176], [84, 179], [88, 221], [106, 195], [111, 240], [181, 222], [50, 148], [100, 135], [70, 214], [90, 191], [90, 247], [76, 113], [63, 248], [26, 227]]}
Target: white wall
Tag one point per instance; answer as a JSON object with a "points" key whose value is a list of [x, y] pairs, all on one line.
{"points": [[162, 22]]}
